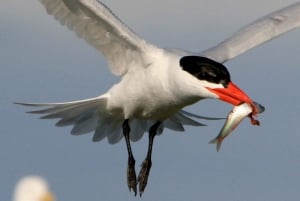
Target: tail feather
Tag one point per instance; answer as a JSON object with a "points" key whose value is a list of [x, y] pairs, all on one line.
{"points": [[72, 110], [173, 125], [91, 115], [138, 128], [84, 114], [54, 108], [99, 134], [102, 129], [186, 120], [199, 117], [102, 125], [114, 134], [66, 122], [87, 123]]}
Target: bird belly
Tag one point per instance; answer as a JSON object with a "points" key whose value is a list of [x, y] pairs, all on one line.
{"points": [[146, 104]]}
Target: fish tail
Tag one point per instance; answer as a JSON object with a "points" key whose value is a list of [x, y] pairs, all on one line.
{"points": [[218, 142]]}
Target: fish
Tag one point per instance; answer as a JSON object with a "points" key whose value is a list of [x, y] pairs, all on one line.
{"points": [[235, 117]]}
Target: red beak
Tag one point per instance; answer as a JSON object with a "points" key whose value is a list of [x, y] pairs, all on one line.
{"points": [[233, 95]]}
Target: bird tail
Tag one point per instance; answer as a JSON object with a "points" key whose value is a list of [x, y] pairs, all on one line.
{"points": [[91, 115], [85, 115]]}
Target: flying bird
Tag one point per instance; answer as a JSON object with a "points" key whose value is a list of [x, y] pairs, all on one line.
{"points": [[155, 83], [32, 188]]}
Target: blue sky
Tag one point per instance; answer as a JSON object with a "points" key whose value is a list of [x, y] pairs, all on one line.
{"points": [[42, 61]]}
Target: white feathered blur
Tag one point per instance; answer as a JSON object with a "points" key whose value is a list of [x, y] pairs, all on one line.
{"points": [[156, 83], [32, 188]]}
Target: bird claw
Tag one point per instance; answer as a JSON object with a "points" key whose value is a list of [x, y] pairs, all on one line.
{"points": [[143, 175], [131, 176]]}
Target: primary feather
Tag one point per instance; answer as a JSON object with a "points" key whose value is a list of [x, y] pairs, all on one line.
{"points": [[93, 21], [256, 33]]}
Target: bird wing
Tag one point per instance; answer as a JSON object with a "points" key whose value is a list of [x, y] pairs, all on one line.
{"points": [[95, 22], [256, 33]]}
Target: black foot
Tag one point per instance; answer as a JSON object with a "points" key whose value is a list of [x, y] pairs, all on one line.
{"points": [[131, 176], [143, 175]]}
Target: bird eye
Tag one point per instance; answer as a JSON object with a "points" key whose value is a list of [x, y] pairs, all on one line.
{"points": [[210, 74], [207, 75], [205, 69], [203, 74]]}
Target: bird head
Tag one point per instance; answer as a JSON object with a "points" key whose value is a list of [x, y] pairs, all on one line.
{"points": [[33, 188], [215, 78]]}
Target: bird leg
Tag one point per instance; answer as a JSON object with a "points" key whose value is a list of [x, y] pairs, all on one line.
{"points": [[147, 163], [131, 176]]}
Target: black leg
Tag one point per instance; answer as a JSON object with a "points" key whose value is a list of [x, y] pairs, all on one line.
{"points": [[131, 176], [147, 163]]}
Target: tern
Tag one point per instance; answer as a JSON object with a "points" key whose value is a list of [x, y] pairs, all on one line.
{"points": [[32, 188], [155, 83]]}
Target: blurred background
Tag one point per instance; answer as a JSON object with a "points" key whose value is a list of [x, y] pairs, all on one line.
{"points": [[41, 61]]}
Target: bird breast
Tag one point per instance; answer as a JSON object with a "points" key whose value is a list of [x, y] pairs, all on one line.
{"points": [[150, 93]]}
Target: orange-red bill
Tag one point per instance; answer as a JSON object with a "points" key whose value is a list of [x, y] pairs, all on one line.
{"points": [[234, 95]]}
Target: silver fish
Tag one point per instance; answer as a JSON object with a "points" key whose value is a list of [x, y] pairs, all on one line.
{"points": [[235, 117]]}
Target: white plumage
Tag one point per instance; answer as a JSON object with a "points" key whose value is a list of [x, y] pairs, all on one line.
{"points": [[32, 188]]}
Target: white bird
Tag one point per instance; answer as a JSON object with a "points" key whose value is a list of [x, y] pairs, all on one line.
{"points": [[32, 188], [156, 83]]}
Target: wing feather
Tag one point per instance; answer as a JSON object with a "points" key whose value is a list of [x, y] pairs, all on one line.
{"points": [[95, 22], [256, 33]]}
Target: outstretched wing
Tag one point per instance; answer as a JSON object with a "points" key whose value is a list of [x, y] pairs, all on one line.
{"points": [[93, 21], [256, 33]]}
